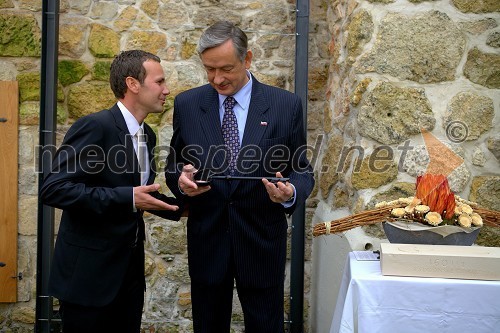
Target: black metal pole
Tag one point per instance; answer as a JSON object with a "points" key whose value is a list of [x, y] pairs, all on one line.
{"points": [[298, 218], [47, 139]]}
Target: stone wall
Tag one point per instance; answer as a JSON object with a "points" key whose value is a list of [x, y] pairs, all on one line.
{"points": [[379, 72], [93, 31], [400, 67]]}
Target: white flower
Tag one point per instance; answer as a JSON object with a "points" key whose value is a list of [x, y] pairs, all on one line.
{"points": [[422, 209], [465, 220], [464, 208], [433, 218], [477, 220], [398, 212], [409, 209]]}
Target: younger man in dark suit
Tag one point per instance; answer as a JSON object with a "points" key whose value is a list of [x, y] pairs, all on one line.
{"points": [[103, 186], [237, 229]]}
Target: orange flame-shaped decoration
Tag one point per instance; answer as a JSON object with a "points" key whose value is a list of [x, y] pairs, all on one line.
{"points": [[434, 191]]}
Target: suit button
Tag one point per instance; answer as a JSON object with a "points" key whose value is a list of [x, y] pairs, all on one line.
{"points": [[231, 203]]}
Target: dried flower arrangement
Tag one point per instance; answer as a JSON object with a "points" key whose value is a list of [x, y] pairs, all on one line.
{"points": [[433, 204]]}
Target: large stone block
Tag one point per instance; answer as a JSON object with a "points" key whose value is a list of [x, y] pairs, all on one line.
{"points": [[272, 14], [104, 10], [101, 70], [89, 97], [6, 4], [150, 7], [174, 15], [29, 87], [103, 41], [483, 68], [391, 114], [81, 6], [482, 6], [149, 41], [373, 172], [359, 32], [29, 113], [479, 26], [71, 71], [494, 145], [126, 19], [485, 190], [425, 48], [72, 38], [19, 35], [473, 112], [494, 39]]}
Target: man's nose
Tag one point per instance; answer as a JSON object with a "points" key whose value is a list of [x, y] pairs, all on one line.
{"points": [[218, 77]]}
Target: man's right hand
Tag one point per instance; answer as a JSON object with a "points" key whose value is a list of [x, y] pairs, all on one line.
{"points": [[186, 182], [145, 201]]}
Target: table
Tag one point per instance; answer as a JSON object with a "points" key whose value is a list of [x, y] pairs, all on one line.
{"points": [[371, 302]]}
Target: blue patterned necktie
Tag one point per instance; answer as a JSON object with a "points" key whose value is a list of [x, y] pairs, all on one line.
{"points": [[230, 132]]}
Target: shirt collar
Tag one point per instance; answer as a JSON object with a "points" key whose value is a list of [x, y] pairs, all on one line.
{"points": [[132, 124], [242, 97]]}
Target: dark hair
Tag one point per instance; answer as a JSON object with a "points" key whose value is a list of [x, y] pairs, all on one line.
{"points": [[128, 63], [219, 33]]}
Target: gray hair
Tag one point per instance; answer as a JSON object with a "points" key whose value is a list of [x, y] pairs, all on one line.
{"points": [[219, 33]]}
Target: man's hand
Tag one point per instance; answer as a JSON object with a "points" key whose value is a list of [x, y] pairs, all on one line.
{"points": [[279, 192], [186, 182], [145, 201]]}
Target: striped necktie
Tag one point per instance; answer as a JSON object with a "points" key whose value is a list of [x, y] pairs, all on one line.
{"points": [[230, 132]]}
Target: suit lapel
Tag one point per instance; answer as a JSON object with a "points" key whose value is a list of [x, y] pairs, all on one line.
{"points": [[126, 140], [256, 123], [210, 123]]}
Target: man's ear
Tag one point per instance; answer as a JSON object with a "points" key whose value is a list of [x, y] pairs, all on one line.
{"points": [[132, 84], [248, 59]]}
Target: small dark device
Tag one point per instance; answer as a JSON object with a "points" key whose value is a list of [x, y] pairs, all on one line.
{"points": [[204, 177]]}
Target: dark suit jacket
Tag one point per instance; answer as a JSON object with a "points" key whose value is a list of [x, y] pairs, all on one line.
{"points": [[237, 218], [91, 180]]}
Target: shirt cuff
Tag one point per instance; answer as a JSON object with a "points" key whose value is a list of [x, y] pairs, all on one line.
{"points": [[290, 202], [180, 190], [134, 208]]}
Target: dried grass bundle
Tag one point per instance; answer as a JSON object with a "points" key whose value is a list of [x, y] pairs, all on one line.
{"points": [[377, 215], [352, 221], [490, 217]]}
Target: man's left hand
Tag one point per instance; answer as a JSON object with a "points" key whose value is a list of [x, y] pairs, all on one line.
{"points": [[280, 192]]}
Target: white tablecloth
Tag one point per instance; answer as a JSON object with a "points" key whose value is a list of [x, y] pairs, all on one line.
{"points": [[369, 302]]}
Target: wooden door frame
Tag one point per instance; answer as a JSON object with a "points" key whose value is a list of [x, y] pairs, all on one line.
{"points": [[9, 140]]}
